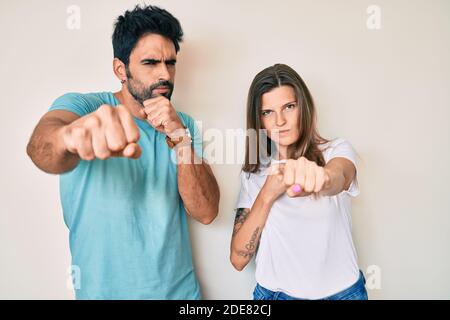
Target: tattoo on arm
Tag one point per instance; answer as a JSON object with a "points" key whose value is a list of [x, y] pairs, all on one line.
{"points": [[251, 246], [241, 216]]}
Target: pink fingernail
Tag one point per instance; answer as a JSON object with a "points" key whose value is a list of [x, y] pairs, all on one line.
{"points": [[296, 188]]}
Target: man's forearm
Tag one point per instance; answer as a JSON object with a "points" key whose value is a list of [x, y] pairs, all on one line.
{"points": [[46, 151], [197, 186]]}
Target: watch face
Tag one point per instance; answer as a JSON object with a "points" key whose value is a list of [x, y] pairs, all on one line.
{"points": [[172, 143], [169, 142]]}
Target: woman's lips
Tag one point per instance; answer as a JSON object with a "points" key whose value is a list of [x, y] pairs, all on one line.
{"points": [[283, 132], [278, 134]]}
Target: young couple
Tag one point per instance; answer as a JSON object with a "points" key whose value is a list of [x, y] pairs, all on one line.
{"points": [[125, 201]]}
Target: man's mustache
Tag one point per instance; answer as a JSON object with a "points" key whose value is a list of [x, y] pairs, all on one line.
{"points": [[158, 85]]}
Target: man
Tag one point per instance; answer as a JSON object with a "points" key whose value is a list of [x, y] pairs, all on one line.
{"points": [[124, 196]]}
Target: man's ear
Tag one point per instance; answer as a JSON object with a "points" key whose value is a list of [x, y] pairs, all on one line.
{"points": [[119, 70]]}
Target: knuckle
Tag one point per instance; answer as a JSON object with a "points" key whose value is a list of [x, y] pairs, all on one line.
{"points": [[123, 110], [291, 162], [135, 135], [103, 155], [79, 132], [88, 156], [319, 172], [287, 181], [104, 108], [92, 122], [300, 163], [117, 145]]}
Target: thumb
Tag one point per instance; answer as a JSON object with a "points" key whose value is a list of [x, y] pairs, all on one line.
{"points": [[132, 150], [294, 191]]}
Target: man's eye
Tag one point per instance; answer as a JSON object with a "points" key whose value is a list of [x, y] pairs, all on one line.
{"points": [[171, 63]]}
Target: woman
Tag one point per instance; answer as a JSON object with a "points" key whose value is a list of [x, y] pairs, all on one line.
{"points": [[294, 206]]}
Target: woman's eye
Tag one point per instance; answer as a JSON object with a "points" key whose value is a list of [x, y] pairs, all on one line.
{"points": [[290, 106], [265, 113]]}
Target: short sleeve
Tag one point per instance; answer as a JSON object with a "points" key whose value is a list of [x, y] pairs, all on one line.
{"points": [[341, 148], [196, 135], [244, 200], [73, 102]]}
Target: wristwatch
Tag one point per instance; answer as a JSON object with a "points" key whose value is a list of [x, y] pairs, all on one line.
{"points": [[184, 138]]}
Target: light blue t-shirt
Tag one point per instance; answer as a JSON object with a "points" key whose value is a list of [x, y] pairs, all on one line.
{"points": [[129, 236]]}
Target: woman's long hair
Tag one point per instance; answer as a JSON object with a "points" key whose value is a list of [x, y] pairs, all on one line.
{"points": [[309, 139]]}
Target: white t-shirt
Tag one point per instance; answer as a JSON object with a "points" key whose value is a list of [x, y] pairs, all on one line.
{"points": [[306, 248]]}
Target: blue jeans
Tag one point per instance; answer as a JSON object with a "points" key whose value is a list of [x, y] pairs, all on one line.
{"points": [[355, 292]]}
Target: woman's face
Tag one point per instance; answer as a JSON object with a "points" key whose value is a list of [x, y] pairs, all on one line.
{"points": [[280, 115]]}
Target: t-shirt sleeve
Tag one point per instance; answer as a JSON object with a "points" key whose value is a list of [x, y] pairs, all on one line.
{"points": [[341, 148], [73, 102], [244, 199], [196, 135]]}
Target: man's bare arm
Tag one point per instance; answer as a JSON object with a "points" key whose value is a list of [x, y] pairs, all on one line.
{"points": [[62, 138], [197, 186], [46, 148], [196, 182]]}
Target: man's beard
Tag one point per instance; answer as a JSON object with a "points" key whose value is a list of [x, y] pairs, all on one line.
{"points": [[140, 93]]}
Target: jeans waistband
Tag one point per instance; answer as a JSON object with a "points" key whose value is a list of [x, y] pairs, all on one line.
{"points": [[360, 283]]}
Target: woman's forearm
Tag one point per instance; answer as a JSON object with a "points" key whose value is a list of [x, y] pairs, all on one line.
{"points": [[247, 230], [335, 183]]}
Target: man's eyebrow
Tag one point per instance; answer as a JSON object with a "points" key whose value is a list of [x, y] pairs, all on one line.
{"points": [[151, 60]]}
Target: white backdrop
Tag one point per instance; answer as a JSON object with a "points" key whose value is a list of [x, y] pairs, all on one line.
{"points": [[386, 90]]}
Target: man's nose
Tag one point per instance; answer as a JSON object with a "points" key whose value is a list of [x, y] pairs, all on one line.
{"points": [[163, 72]]}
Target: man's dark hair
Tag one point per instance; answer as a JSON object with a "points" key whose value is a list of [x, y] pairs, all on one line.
{"points": [[134, 24]]}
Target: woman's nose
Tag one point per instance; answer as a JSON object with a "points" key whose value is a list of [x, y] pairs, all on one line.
{"points": [[281, 120]]}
